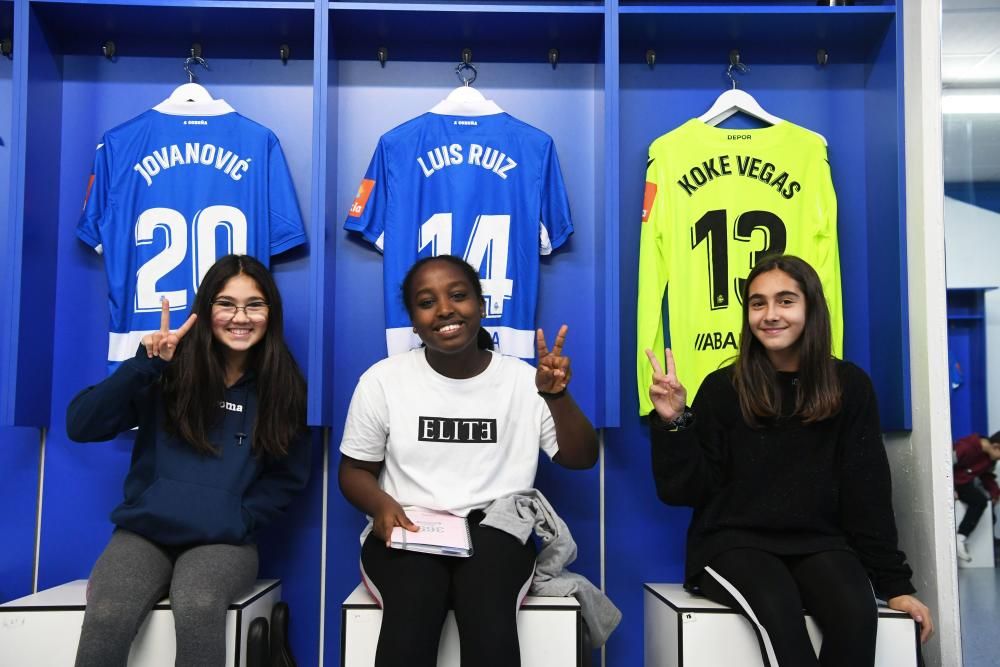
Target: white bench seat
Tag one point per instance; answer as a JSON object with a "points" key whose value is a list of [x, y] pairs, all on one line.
{"points": [[549, 630], [684, 630], [43, 629]]}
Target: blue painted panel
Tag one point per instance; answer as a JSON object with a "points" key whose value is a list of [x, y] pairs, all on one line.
{"points": [[84, 482], [888, 313], [6, 143], [984, 194], [144, 29], [505, 34], [19, 460], [370, 102], [777, 35], [34, 271], [967, 361], [831, 101]]}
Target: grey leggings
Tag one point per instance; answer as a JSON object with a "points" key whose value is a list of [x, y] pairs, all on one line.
{"points": [[134, 573]]}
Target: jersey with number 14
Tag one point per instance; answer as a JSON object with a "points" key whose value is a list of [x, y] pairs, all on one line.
{"points": [[485, 188], [172, 190], [718, 200]]}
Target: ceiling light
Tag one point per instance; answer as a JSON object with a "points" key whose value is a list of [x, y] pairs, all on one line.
{"points": [[970, 103]]}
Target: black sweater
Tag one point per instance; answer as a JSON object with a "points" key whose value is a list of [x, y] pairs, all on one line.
{"points": [[786, 487]]}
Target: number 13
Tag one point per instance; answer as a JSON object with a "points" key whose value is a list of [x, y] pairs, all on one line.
{"points": [[711, 228]]}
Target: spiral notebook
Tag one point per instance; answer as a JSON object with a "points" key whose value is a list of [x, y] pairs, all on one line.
{"points": [[440, 533]]}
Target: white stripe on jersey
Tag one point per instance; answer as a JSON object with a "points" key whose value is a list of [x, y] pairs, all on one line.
{"points": [[123, 346]]}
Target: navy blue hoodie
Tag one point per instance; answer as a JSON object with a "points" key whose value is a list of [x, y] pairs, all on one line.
{"points": [[174, 494]]}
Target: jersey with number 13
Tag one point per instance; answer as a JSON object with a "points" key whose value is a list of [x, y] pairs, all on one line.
{"points": [[487, 189], [172, 190], [717, 200]]}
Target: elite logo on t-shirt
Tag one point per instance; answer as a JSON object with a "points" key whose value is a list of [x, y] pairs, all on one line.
{"points": [[452, 429]]}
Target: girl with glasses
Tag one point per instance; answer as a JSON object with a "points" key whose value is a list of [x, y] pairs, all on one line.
{"points": [[220, 451]]}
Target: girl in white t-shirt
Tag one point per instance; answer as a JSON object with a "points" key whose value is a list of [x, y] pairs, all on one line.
{"points": [[453, 426]]}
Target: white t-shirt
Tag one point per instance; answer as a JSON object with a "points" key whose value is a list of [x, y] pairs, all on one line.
{"points": [[453, 445]]}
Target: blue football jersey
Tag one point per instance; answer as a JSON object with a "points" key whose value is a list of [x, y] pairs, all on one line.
{"points": [[485, 188], [173, 190]]}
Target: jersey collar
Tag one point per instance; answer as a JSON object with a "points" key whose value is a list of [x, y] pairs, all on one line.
{"points": [[213, 108]]}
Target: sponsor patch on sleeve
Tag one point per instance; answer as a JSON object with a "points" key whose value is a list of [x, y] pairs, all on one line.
{"points": [[86, 197], [647, 200], [365, 191]]}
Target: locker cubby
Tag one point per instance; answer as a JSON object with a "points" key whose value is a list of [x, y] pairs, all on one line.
{"points": [[67, 94], [854, 100], [967, 363], [510, 45]]}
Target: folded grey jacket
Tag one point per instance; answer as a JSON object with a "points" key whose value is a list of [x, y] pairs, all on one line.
{"points": [[524, 512]]}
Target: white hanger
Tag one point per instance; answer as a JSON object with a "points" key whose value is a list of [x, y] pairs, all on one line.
{"points": [[735, 100], [466, 100], [732, 101], [190, 92], [192, 98]]}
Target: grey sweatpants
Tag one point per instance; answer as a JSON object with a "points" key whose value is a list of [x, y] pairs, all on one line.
{"points": [[134, 573]]}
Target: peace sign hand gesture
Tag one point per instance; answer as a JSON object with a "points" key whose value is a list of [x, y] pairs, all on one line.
{"points": [[667, 393], [553, 372], [162, 343]]}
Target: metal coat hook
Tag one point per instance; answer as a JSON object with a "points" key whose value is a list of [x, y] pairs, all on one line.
{"points": [[822, 57], [382, 55], [194, 60], [734, 63], [7, 47], [650, 58], [553, 57], [460, 72], [108, 50], [284, 53]]}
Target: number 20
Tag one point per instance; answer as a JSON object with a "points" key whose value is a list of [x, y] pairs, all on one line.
{"points": [[712, 229], [175, 228]]}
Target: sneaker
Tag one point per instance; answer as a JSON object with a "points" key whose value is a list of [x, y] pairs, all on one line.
{"points": [[960, 550]]}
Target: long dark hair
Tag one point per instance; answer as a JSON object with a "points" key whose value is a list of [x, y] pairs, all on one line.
{"points": [[194, 382], [484, 341], [818, 396]]}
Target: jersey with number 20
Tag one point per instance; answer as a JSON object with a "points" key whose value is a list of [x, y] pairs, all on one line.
{"points": [[173, 190], [485, 188]]}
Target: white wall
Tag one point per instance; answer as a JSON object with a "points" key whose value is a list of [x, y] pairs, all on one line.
{"points": [[921, 459], [972, 242]]}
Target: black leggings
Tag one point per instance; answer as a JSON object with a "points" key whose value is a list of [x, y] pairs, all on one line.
{"points": [[416, 591], [976, 502], [773, 590]]}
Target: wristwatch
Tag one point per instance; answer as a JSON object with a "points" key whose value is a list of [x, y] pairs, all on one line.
{"points": [[682, 421]]}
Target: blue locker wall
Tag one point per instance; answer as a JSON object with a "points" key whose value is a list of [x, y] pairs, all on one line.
{"points": [[19, 460], [984, 194], [328, 106], [19, 447], [6, 157], [967, 361]]}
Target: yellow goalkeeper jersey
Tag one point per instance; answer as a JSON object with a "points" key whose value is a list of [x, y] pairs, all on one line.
{"points": [[717, 200]]}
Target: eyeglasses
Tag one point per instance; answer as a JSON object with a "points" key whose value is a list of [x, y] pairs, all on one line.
{"points": [[225, 309]]}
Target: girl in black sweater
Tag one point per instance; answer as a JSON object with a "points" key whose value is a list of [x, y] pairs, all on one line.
{"points": [[782, 458]]}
